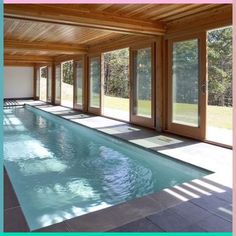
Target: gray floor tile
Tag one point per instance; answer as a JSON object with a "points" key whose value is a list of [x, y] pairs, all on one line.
{"points": [[169, 221], [226, 196], [142, 225], [191, 212], [193, 228], [10, 199], [215, 224], [215, 205], [93, 222], [14, 221], [60, 227]]}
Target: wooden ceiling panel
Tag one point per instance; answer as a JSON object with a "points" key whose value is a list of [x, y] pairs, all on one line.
{"points": [[87, 26], [32, 31]]}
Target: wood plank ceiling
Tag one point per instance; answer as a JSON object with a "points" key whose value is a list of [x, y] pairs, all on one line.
{"points": [[73, 28]]}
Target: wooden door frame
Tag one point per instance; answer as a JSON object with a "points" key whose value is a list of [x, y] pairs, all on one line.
{"points": [[75, 105], [136, 119], [57, 102], [188, 131], [94, 110]]}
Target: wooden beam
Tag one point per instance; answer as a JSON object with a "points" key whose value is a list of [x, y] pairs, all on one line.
{"points": [[123, 42], [45, 47], [106, 21], [208, 20], [26, 59]]}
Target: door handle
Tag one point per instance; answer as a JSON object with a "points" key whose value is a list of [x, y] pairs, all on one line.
{"points": [[204, 88]]}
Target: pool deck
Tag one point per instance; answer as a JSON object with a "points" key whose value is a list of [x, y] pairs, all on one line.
{"points": [[202, 205]]}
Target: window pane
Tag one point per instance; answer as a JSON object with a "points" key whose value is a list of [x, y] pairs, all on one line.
{"points": [[58, 83], [94, 72], [43, 83], [67, 84], [49, 84], [79, 82], [143, 82], [38, 82], [220, 96], [185, 80]]}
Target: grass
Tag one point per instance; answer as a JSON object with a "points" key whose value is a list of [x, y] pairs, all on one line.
{"points": [[217, 116], [122, 104]]}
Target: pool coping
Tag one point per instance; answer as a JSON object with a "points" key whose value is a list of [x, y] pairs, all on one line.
{"points": [[126, 212]]}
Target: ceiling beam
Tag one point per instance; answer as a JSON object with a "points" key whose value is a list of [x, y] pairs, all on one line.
{"points": [[45, 47], [13, 59], [69, 16]]}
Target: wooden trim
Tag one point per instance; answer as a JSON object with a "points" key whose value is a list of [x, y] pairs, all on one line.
{"points": [[31, 59], [58, 14], [135, 118], [200, 22], [123, 42], [18, 63], [45, 47]]}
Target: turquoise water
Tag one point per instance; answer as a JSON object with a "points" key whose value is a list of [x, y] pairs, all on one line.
{"points": [[60, 170]]}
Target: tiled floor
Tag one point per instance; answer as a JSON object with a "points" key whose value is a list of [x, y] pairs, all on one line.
{"points": [[200, 205]]}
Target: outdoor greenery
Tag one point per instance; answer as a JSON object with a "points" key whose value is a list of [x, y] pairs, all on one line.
{"points": [[67, 72], [116, 73], [185, 72], [220, 67]]}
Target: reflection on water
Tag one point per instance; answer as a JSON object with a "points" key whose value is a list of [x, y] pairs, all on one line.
{"points": [[60, 170]]}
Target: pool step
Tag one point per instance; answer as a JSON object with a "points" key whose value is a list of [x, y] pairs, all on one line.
{"points": [[9, 103]]}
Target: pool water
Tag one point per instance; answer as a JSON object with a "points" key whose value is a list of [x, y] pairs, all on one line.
{"points": [[60, 170]]}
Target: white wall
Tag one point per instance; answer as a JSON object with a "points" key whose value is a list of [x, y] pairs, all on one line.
{"points": [[18, 82]]}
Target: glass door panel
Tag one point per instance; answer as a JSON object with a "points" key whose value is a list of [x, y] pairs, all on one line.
{"points": [[49, 85], [43, 83], [58, 85], [79, 84], [185, 79], [37, 83], [95, 84], [142, 87], [186, 86]]}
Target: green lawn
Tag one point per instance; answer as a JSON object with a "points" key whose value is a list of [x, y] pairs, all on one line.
{"points": [[122, 104], [220, 117]]}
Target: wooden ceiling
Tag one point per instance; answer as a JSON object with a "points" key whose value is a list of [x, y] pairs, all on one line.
{"points": [[50, 30], [148, 12]]}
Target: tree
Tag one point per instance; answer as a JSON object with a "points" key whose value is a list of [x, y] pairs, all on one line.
{"points": [[220, 67], [67, 72]]}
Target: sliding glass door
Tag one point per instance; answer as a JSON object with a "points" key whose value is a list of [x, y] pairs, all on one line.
{"points": [[58, 85], [79, 84], [142, 86], [49, 84], [95, 84], [187, 86], [43, 83]]}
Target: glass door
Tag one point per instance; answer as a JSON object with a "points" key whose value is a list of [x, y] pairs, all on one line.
{"points": [[187, 86], [142, 86], [58, 85], [43, 83], [49, 84], [79, 84], [95, 84], [219, 126]]}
